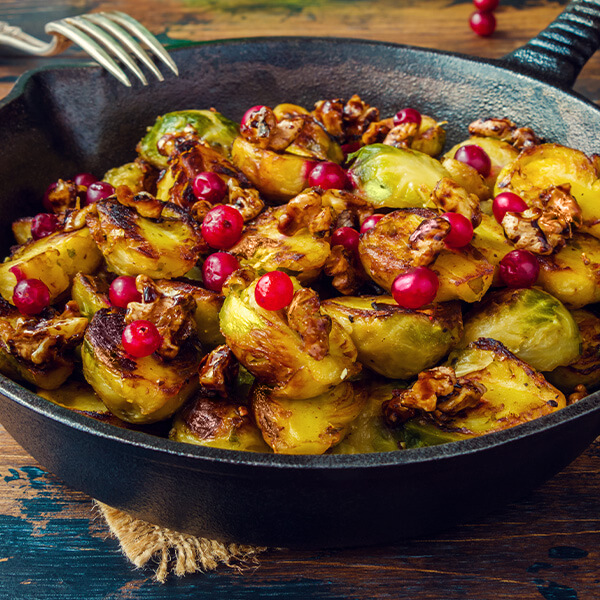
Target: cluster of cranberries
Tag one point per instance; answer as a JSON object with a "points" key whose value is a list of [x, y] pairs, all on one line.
{"points": [[483, 21]]}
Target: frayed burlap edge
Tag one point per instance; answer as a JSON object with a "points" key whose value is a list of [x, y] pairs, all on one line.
{"points": [[174, 552]]}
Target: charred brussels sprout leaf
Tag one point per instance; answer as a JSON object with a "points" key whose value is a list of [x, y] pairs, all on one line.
{"points": [[212, 127], [531, 323], [396, 342], [91, 294], [137, 390], [395, 177], [309, 426], [515, 393]]}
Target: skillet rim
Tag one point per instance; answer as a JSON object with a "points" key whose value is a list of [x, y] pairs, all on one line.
{"points": [[164, 450]]}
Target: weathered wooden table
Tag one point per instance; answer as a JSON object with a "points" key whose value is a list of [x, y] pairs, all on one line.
{"points": [[53, 544]]}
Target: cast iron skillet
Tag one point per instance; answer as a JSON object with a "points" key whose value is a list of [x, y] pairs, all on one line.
{"points": [[61, 121]]}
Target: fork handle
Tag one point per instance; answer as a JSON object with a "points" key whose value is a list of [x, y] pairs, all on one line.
{"points": [[15, 37]]}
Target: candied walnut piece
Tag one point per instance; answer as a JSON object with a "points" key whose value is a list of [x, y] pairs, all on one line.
{"points": [[304, 317], [402, 136], [345, 269], [449, 196], [306, 210], [65, 196], [545, 228], [349, 209], [427, 240], [377, 131], [437, 392], [347, 122], [330, 113], [578, 394], [218, 370], [43, 340], [505, 130], [247, 201], [285, 132], [144, 203], [260, 127], [173, 316]]}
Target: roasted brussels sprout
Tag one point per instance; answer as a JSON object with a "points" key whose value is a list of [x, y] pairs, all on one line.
{"points": [[586, 369], [489, 239], [302, 252], [540, 167], [515, 393], [396, 342], [501, 154], [78, 396], [210, 126], [309, 426], [368, 432], [54, 259], [137, 390], [385, 252], [572, 274], [265, 343], [531, 323], [430, 138], [91, 293], [163, 242], [209, 421], [138, 176], [39, 350], [395, 177]]}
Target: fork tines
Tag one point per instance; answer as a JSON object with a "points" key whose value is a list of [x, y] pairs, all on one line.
{"points": [[105, 33]]}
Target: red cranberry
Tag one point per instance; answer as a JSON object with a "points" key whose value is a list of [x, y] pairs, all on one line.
{"points": [[46, 200], [222, 227], [519, 269], [415, 288], [407, 115], [328, 176], [123, 291], [475, 157], [31, 296], [486, 5], [99, 191], [347, 237], [217, 268], [141, 338], [507, 202], [350, 147], [44, 224], [483, 23], [209, 187], [84, 179], [370, 222], [461, 230], [274, 291]]}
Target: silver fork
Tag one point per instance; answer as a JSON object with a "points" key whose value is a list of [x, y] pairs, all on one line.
{"points": [[100, 35]]}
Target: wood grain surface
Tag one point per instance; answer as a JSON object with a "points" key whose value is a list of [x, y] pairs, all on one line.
{"points": [[53, 544]]}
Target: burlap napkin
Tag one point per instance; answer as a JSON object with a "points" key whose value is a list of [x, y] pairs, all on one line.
{"points": [[169, 551]]}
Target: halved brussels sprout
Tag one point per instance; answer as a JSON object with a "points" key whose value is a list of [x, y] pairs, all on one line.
{"points": [[515, 393], [489, 239], [309, 426], [573, 273], [546, 165], [206, 315], [39, 350], [137, 390], [263, 341], [138, 176], [219, 423], [91, 293], [210, 126], [78, 396], [54, 259], [368, 432], [586, 369], [393, 341], [395, 177], [500, 153], [278, 177], [531, 323], [431, 137], [384, 251], [264, 248], [168, 245]]}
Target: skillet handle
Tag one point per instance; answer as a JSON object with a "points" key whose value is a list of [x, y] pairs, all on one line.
{"points": [[557, 54]]}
